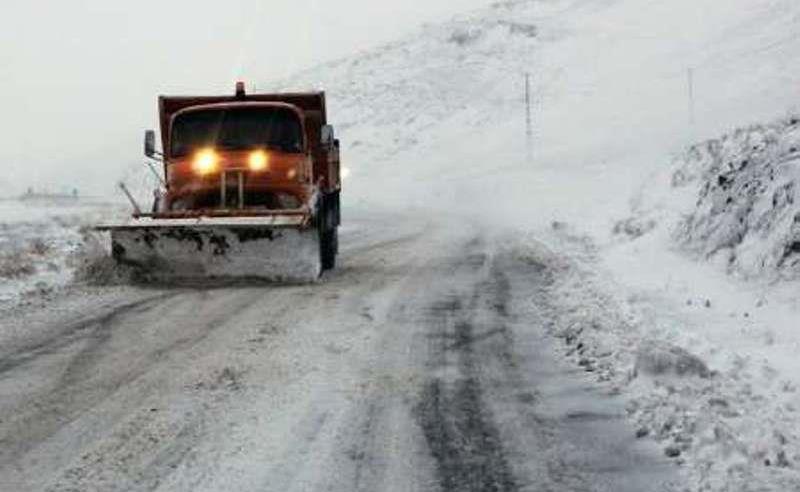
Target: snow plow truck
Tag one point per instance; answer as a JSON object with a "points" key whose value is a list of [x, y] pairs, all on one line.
{"points": [[251, 186]]}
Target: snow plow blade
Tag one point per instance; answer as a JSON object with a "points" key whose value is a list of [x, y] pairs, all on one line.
{"points": [[270, 248]]}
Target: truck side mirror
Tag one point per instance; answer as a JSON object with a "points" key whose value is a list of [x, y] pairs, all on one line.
{"points": [[326, 136], [150, 143]]}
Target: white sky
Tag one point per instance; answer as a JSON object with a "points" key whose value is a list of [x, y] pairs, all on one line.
{"points": [[79, 78]]}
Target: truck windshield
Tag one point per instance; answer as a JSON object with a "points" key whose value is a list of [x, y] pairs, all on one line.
{"points": [[236, 129]]}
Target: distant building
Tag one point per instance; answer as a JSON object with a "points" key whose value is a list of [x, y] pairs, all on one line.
{"points": [[31, 195]]}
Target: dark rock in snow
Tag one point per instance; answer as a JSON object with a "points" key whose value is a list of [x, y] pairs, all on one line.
{"points": [[634, 227], [658, 359], [718, 402]]}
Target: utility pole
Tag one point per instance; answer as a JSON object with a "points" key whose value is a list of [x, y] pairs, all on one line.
{"points": [[528, 121], [690, 83]]}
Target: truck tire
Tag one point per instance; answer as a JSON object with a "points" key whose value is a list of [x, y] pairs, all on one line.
{"points": [[329, 245]]}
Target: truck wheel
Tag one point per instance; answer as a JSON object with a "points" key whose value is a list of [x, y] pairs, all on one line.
{"points": [[329, 245]]}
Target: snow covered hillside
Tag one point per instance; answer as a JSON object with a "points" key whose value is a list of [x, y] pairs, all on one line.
{"points": [[436, 105], [442, 113]]}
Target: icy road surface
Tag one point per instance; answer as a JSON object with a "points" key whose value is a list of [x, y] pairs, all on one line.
{"points": [[418, 365]]}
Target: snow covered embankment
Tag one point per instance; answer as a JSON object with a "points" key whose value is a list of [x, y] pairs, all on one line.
{"points": [[720, 411], [732, 201], [747, 214], [690, 311]]}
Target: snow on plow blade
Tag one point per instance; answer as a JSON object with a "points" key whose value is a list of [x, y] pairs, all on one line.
{"points": [[273, 248]]}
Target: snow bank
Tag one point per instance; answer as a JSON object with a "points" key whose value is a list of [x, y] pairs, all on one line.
{"points": [[43, 245], [695, 267], [708, 388], [747, 213], [712, 337], [733, 200]]}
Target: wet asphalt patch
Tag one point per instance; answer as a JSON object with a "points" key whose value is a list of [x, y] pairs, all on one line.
{"points": [[463, 440]]}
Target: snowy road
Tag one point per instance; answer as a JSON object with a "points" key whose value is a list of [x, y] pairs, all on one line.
{"points": [[418, 365]]}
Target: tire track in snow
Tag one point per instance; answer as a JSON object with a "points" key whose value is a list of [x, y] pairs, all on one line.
{"points": [[84, 383], [75, 332], [460, 432]]}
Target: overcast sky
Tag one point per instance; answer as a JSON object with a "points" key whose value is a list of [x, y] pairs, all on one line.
{"points": [[79, 78]]}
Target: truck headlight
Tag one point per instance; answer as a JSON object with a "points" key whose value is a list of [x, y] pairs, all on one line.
{"points": [[205, 162], [258, 160]]}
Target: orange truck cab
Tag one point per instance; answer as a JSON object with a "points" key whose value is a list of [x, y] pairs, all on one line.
{"points": [[249, 155]]}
